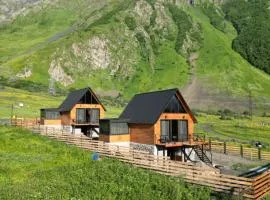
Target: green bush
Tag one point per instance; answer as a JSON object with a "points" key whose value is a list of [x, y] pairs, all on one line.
{"points": [[130, 22], [251, 20], [215, 18], [143, 48], [183, 23]]}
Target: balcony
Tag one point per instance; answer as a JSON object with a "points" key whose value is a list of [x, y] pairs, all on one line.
{"points": [[94, 122], [171, 142]]}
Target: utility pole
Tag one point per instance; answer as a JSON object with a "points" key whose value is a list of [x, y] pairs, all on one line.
{"points": [[250, 100], [11, 114]]}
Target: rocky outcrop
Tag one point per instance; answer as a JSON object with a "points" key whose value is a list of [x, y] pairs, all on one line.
{"points": [[25, 74], [10, 9], [95, 52], [143, 12], [58, 74]]}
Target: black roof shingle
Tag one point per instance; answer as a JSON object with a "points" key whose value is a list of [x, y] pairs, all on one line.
{"points": [[146, 108], [74, 97]]}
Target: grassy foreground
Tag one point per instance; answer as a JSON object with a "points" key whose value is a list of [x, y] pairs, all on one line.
{"points": [[34, 167]]}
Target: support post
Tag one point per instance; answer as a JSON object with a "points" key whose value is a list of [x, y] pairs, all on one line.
{"points": [[210, 144], [225, 148], [241, 151], [259, 154]]}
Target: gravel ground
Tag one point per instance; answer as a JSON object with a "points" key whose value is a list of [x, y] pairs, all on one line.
{"points": [[234, 165]]}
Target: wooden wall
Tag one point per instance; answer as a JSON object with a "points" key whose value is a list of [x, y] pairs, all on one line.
{"points": [[50, 121], [68, 117], [174, 116], [114, 138], [141, 133], [65, 119], [73, 111]]}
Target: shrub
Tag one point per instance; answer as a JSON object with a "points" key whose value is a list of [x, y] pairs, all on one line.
{"points": [[183, 23], [130, 22], [251, 20]]}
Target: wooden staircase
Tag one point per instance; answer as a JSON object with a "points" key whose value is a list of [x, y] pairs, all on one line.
{"points": [[202, 154]]}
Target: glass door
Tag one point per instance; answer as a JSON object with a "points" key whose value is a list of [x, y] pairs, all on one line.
{"points": [[80, 116], [182, 130]]}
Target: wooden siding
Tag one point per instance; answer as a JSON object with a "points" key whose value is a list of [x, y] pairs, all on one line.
{"points": [[68, 117], [50, 122], [141, 133], [73, 111], [174, 116], [65, 118], [114, 138]]}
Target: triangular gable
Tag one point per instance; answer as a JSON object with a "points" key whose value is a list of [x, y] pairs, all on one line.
{"points": [[146, 108], [186, 107], [78, 96]]}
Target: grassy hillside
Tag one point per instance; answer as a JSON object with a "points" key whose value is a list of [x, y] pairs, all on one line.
{"points": [[235, 129], [34, 167], [34, 101], [126, 47]]}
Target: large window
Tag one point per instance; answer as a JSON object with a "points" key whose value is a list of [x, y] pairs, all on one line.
{"points": [[89, 115], [174, 130], [175, 106]]}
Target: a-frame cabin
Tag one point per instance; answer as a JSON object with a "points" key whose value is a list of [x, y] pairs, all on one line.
{"points": [[160, 122], [80, 112]]}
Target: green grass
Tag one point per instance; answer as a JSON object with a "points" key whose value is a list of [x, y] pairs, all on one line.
{"points": [[236, 130], [34, 28], [35, 167], [219, 64], [34, 101]]}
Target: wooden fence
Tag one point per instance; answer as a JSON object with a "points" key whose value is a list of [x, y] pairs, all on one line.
{"points": [[215, 146], [239, 150], [252, 188]]}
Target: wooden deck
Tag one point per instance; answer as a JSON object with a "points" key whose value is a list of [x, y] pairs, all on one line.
{"points": [[182, 144]]}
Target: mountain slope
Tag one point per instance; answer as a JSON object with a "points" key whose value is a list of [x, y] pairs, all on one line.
{"points": [[121, 47]]}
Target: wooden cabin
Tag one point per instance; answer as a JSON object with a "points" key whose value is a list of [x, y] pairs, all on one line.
{"points": [[80, 112], [160, 122]]}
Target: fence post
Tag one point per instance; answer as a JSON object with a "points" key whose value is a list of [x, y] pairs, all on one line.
{"points": [[46, 130], [210, 144], [225, 149], [259, 154], [241, 151], [81, 140]]}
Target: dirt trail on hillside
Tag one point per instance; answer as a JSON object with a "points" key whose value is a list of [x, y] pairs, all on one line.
{"points": [[193, 89]]}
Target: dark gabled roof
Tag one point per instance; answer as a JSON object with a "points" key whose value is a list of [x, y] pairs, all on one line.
{"points": [[50, 109], [116, 120], [146, 108], [74, 97]]}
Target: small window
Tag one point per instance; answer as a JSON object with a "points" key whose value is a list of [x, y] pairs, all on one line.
{"points": [[119, 128], [52, 115]]}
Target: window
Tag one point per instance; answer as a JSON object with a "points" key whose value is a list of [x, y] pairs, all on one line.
{"points": [[174, 106], [89, 115], [119, 128], [52, 115], [104, 127]]}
